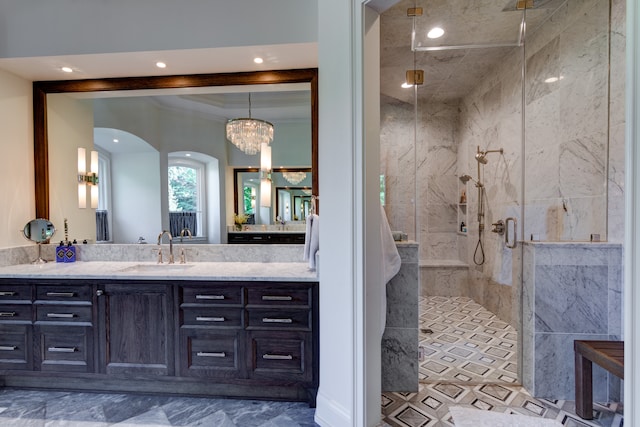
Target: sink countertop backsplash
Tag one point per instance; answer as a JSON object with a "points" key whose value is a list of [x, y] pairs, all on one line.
{"points": [[194, 253]]}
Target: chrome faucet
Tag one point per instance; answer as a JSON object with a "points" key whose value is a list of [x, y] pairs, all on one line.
{"points": [[182, 251], [170, 246]]}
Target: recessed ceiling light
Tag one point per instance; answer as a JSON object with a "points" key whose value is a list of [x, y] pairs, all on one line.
{"points": [[188, 154], [435, 33], [161, 64], [406, 85], [258, 60], [116, 140], [67, 69]]}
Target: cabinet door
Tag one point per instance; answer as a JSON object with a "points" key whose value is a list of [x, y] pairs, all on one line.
{"points": [[283, 356], [136, 329], [63, 348], [211, 353], [15, 347]]}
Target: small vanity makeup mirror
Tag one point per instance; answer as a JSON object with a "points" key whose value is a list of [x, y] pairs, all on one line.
{"points": [[39, 231]]}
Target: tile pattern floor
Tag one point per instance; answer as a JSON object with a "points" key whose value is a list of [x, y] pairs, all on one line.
{"points": [[470, 360], [464, 342], [28, 408], [430, 406]]}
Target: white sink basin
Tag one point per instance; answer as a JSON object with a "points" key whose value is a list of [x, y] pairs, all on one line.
{"points": [[146, 268]]}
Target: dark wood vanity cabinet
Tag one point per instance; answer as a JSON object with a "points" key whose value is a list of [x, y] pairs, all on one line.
{"points": [[16, 330], [239, 339], [135, 329], [63, 328], [264, 334]]}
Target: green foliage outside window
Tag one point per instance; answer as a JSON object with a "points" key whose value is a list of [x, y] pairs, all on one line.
{"points": [[183, 194], [248, 199]]}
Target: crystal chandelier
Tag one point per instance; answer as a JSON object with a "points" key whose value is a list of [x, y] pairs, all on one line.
{"points": [[248, 134], [294, 177]]}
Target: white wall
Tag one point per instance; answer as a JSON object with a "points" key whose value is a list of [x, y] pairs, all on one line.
{"points": [[71, 126], [291, 143], [16, 145], [72, 27], [135, 181]]}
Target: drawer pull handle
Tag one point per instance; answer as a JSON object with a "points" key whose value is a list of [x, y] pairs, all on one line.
{"points": [[277, 356], [61, 315], [8, 348], [218, 297], [272, 320], [61, 294], [8, 294], [62, 349], [8, 314], [210, 319], [208, 354], [276, 298]]}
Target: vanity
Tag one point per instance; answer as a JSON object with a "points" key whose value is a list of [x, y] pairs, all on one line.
{"points": [[234, 329]]}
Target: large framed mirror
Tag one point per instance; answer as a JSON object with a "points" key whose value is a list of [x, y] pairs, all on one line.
{"points": [[64, 110]]}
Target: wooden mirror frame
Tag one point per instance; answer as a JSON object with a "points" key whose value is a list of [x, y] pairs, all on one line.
{"points": [[42, 88]]}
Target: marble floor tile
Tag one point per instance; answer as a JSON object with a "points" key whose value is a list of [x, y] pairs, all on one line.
{"points": [[29, 408]]}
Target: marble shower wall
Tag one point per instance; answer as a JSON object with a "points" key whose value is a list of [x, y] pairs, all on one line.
{"points": [[568, 139], [571, 291], [431, 163]]}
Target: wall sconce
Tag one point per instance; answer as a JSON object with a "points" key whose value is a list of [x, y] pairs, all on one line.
{"points": [[265, 175], [85, 178]]}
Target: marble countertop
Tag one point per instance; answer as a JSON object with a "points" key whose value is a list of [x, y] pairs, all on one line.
{"points": [[241, 271]]}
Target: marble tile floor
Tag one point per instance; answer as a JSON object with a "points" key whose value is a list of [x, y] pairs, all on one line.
{"points": [[464, 342], [430, 406], [29, 408]]}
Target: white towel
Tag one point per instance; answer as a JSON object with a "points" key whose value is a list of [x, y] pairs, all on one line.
{"points": [[311, 240], [390, 260]]}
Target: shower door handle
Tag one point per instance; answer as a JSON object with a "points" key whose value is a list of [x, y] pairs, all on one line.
{"points": [[510, 243]]}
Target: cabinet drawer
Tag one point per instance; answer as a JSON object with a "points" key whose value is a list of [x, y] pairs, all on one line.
{"points": [[15, 347], [210, 354], [279, 295], [15, 292], [213, 317], [64, 348], [63, 313], [230, 294], [285, 356], [280, 319], [15, 313], [63, 293]]}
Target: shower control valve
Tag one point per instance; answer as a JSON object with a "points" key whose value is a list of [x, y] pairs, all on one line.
{"points": [[498, 227]]}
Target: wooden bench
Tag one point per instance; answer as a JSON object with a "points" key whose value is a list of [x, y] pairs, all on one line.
{"points": [[607, 354]]}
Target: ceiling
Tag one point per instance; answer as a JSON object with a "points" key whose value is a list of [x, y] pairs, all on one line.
{"points": [[451, 72], [478, 34]]}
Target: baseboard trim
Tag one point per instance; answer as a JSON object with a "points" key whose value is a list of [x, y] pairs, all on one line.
{"points": [[331, 414]]}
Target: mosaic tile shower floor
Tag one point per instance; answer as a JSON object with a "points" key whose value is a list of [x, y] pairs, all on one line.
{"points": [[464, 342], [470, 361]]}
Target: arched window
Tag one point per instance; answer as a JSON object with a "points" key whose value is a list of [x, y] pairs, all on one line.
{"points": [[187, 202]]}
